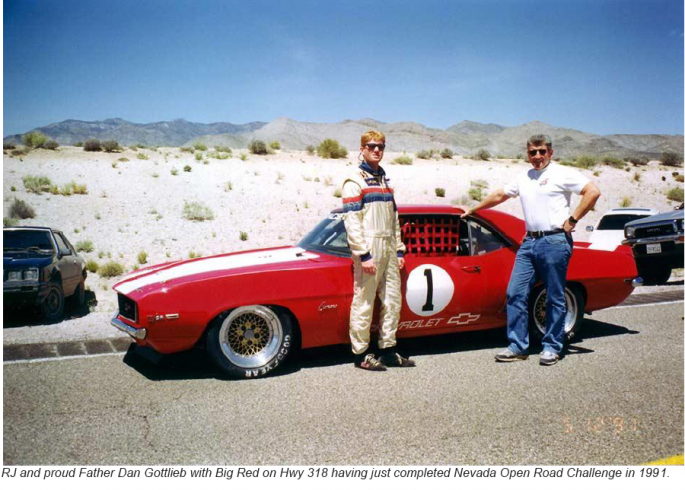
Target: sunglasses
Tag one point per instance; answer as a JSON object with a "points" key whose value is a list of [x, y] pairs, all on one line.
{"points": [[535, 152], [372, 147]]}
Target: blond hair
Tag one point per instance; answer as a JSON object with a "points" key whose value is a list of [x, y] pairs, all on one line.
{"points": [[372, 135]]}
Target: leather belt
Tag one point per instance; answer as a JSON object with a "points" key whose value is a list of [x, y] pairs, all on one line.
{"points": [[540, 234]]}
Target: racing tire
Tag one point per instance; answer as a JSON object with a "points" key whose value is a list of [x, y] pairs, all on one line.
{"points": [[52, 307], [250, 341], [575, 312]]}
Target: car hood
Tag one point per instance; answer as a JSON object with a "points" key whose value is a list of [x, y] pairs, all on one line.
{"points": [[676, 214], [605, 239], [268, 259], [24, 260]]}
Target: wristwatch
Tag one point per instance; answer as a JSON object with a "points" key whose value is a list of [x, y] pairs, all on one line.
{"points": [[572, 220]]}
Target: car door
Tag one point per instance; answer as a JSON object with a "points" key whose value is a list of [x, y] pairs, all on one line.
{"points": [[68, 265], [442, 284]]}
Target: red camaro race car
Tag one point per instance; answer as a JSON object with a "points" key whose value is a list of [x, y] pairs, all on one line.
{"points": [[253, 308]]}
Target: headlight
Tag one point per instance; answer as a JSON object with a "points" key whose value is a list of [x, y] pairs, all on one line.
{"points": [[630, 232], [23, 275]]}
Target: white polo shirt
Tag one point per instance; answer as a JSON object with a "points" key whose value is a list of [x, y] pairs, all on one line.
{"points": [[546, 195]]}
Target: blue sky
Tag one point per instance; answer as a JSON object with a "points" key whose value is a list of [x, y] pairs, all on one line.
{"points": [[601, 66]]}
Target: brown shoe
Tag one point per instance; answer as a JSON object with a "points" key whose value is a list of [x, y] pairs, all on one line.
{"points": [[370, 363]]}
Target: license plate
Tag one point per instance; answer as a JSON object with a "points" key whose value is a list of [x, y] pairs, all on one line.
{"points": [[654, 248]]}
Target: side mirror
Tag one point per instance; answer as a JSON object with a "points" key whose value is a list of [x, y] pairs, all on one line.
{"points": [[589, 228]]}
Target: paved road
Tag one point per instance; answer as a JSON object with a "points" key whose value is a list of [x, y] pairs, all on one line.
{"points": [[617, 398]]}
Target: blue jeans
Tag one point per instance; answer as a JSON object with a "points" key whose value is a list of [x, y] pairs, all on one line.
{"points": [[544, 258]]}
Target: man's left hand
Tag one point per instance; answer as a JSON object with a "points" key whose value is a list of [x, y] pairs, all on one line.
{"points": [[568, 226], [400, 262]]}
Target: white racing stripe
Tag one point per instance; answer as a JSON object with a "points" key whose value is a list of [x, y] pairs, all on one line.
{"points": [[212, 264]]}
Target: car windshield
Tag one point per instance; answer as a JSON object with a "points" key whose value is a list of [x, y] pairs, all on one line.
{"points": [[617, 221], [33, 240], [329, 236]]}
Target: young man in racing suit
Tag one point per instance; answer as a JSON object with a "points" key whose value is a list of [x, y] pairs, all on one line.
{"points": [[374, 236]]}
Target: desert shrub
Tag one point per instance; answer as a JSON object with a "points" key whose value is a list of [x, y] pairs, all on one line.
{"points": [[680, 178], [111, 269], [78, 144], [423, 154], [626, 202], [223, 149], [142, 156], [613, 162], [638, 161], [110, 146], [243, 236], [585, 161], [447, 153], [123, 159], [311, 150], [142, 257], [198, 157], [479, 184], [637, 176], [200, 147], [21, 152], [403, 160], [195, 211], [275, 145], [483, 155], [72, 188], [187, 168], [476, 193], [20, 210], [34, 139], [36, 183], [440, 192], [258, 147], [330, 148], [675, 194], [84, 246], [51, 145], [188, 150], [8, 145], [9, 221], [337, 193], [92, 145], [671, 158], [92, 266], [243, 156]]}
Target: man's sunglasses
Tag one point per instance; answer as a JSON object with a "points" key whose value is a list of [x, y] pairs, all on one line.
{"points": [[535, 152], [372, 147]]}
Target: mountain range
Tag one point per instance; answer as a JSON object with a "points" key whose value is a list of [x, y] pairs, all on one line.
{"points": [[464, 138]]}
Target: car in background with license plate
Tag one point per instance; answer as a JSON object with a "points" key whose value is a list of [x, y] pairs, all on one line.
{"points": [[657, 245], [41, 268]]}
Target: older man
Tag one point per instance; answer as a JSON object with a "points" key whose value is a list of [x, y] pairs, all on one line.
{"points": [[545, 192], [374, 236]]}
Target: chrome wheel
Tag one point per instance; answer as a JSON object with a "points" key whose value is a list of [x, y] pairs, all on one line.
{"points": [[574, 311], [251, 336]]}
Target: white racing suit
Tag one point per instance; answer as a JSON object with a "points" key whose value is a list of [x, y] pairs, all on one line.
{"points": [[373, 231]]}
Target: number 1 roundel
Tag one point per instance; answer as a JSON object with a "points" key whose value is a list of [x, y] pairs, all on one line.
{"points": [[429, 290]]}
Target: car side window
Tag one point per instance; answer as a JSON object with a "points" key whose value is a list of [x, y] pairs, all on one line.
{"points": [[430, 235], [482, 239], [63, 247]]}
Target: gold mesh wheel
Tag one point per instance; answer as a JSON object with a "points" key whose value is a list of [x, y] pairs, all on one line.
{"points": [[540, 311], [251, 336]]}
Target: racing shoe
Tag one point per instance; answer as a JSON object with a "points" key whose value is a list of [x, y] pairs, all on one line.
{"points": [[508, 355], [548, 358], [393, 359], [370, 363]]}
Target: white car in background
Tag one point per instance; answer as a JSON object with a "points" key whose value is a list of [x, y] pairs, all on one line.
{"points": [[609, 231]]}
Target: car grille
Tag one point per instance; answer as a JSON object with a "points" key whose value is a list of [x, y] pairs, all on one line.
{"points": [[655, 230], [128, 308]]}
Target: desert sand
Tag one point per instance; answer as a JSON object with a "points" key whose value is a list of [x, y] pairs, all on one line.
{"points": [[137, 205]]}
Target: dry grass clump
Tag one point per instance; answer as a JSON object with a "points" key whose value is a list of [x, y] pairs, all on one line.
{"points": [[111, 269], [36, 183], [195, 211]]}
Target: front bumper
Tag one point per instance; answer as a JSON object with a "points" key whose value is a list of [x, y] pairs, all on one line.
{"points": [[22, 293], [136, 333]]}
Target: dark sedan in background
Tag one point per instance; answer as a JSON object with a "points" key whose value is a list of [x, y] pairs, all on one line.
{"points": [[41, 268]]}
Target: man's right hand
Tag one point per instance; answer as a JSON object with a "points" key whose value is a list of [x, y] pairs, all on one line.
{"points": [[369, 267]]}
